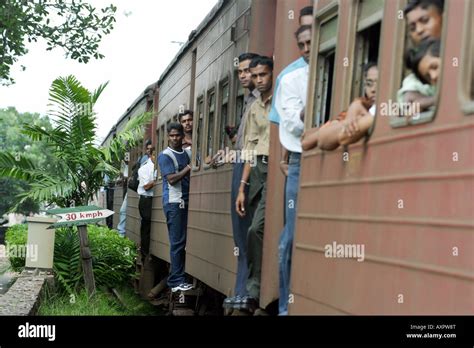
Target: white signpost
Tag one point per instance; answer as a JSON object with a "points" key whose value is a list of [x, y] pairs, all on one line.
{"points": [[80, 217]]}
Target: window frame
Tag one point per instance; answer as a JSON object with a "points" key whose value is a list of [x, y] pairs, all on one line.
{"points": [[221, 128], [209, 92], [323, 16], [198, 149], [360, 26], [401, 45], [466, 86]]}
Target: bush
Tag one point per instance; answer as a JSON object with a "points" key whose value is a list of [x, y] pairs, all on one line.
{"points": [[113, 257], [15, 237]]}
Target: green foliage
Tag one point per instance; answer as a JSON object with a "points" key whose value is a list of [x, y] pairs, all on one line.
{"points": [[80, 165], [113, 257], [15, 143], [14, 237], [77, 27], [101, 303]]}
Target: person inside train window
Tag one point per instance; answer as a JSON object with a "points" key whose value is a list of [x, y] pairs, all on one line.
{"points": [[186, 120], [424, 20], [175, 169], [425, 61], [327, 136], [306, 16], [288, 105], [253, 184], [145, 192], [241, 224]]}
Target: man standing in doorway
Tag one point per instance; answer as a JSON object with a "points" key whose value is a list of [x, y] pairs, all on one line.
{"points": [[241, 224], [256, 150], [175, 170], [145, 191], [289, 104]]}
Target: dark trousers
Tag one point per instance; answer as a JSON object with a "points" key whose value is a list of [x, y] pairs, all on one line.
{"points": [[240, 228], [177, 221], [255, 232], [145, 207]]}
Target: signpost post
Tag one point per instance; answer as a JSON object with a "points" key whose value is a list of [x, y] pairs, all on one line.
{"points": [[81, 217]]}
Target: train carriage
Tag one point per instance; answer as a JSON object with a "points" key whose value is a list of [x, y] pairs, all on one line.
{"points": [[404, 193]]}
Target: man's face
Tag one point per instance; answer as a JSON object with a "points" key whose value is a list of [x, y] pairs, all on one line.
{"points": [[175, 138], [262, 78], [371, 80], [187, 123], [424, 23], [304, 44], [306, 20], [245, 77]]}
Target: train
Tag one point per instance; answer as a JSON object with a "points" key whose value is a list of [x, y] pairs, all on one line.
{"points": [[405, 194]]}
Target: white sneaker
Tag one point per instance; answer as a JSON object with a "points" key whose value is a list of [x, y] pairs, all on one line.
{"points": [[182, 287]]}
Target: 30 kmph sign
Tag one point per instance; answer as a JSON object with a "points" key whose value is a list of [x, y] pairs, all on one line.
{"points": [[84, 215]]}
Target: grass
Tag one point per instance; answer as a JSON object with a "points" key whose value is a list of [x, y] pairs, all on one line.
{"points": [[101, 304]]}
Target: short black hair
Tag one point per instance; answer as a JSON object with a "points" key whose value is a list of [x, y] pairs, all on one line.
{"points": [[185, 112], [412, 4], [368, 66], [247, 56], [175, 125], [262, 60], [306, 11], [302, 29], [414, 56], [148, 142]]}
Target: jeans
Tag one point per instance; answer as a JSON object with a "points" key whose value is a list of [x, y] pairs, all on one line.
{"points": [[123, 217], [177, 221], [240, 227], [287, 235], [145, 208]]}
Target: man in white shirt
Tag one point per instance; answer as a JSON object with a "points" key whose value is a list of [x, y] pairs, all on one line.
{"points": [[289, 104], [146, 176]]}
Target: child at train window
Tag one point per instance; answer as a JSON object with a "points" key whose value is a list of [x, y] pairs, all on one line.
{"points": [[327, 137], [424, 21], [425, 62]]}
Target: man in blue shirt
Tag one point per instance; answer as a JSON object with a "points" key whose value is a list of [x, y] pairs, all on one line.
{"points": [[175, 171]]}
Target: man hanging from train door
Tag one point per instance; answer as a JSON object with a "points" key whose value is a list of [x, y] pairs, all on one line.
{"points": [[241, 224], [175, 170], [288, 106], [255, 152]]}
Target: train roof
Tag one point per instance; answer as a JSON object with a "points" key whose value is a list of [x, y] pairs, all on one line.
{"points": [[192, 37]]}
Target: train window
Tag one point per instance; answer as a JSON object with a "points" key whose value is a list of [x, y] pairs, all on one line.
{"points": [[326, 54], [211, 106], [198, 132], [367, 42], [416, 101], [224, 113]]}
